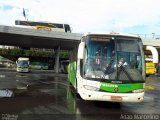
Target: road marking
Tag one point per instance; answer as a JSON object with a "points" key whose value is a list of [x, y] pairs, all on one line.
{"points": [[148, 87]]}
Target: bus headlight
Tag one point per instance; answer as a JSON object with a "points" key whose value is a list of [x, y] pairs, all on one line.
{"points": [[91, 88], [138, 91]]}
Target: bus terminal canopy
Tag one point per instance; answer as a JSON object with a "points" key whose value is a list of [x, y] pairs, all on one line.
{"points": [[26, 37]]}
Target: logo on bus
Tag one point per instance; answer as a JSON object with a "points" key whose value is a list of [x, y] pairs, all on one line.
{"points": [[116, 89], [109, 85]]}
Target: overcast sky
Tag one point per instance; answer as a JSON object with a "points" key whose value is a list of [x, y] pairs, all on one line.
{"points": [[129, 16]]}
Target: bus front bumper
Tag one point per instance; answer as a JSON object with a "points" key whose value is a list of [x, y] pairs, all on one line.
{"points": [[113, 97], [22, 70]]}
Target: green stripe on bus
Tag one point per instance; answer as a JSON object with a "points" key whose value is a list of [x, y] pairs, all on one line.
{"points": [[121, 88], [72, 73]]}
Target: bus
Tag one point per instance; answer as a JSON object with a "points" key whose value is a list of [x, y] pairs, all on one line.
{"points": [[150, 66], [22, 64], [108, 67], [152, 59], [45, 26]]}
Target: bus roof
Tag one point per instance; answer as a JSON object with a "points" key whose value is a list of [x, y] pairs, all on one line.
{"points": [[115, 34], [22, 58]]}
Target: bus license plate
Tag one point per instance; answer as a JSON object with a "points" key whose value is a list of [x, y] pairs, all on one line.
{"points": [[116, 98]]}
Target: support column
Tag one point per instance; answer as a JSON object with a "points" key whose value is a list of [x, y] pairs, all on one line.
{"points": [[57, 60]]}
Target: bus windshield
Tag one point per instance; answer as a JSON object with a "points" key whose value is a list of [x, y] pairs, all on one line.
{"points": [[114, 59], [23, 63]]}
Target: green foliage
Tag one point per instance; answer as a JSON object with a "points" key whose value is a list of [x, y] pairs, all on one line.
{"points": [[16, 52], [63, 54], [4, 51]]}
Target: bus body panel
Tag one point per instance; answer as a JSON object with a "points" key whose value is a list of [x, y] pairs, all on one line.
{"points": [[72, 73], [44, 25], [102, 91], [121, 88], [150, 68], [107, 96]]}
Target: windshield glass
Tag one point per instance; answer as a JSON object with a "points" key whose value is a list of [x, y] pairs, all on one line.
{"points": [[114, 59], [23, 63]]}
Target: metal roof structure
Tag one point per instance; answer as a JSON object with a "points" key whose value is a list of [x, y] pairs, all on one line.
{"points": [[151, 42], [25, 37]]}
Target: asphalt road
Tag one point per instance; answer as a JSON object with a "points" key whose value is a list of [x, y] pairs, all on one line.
{"points": [[44, 95]]}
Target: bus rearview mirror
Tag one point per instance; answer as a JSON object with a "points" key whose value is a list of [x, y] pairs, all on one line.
{"points": [[81, 50]]}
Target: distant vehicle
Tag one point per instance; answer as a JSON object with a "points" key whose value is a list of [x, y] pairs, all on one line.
{"points": [[39, 66], [22, 65], [45, 26], [44, 66], [151, 60], [150, 67]]}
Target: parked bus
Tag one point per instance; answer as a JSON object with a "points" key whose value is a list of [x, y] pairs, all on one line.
{"points": [[150, 66], [152, 59], [108, 67], [45, 25], [22, 64]]}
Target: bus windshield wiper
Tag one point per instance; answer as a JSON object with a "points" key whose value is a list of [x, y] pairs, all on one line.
{"points": [[110, 64], [124, 70]]}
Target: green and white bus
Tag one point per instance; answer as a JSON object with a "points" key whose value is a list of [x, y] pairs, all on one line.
{"points": [[108, 67], [22, 65]]}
